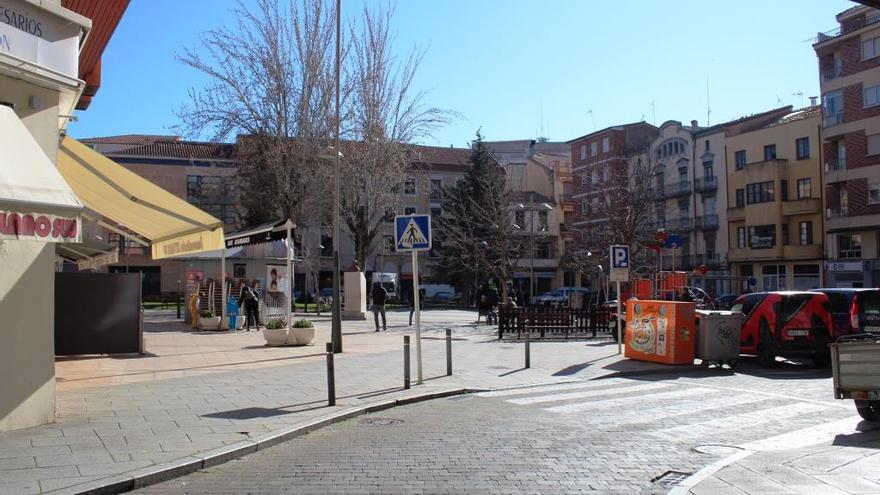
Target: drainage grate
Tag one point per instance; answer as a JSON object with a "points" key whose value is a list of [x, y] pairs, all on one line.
{"points": [[671, 478], [719, 450], [381, 422]]}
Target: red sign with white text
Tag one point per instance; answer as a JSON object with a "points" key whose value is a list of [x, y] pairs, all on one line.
{"points": [[39, 227]]}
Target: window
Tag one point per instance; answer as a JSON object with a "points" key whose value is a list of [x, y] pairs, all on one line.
{"points": [[806, 277], [409, 210], [740, 237], [388, 243], [740, 157], [740, 197], [871, 96], [762, 236], [804, 188], [544, 250], [519, 218], [870, 48], [409, 187], [543, 226], [874, 144], [773, 277], [436, 212], [606, 145], [874, 193], [769, 152], [327, 246], [707, 145], [760, 192], [214, 195], [585, 208], [785, 234], [783, 189], [833, 107], [595, 176], [849, 246], [802, 146], [583, 151], [389, 215], [594, 148], [436, 190], [805, 233], [605, 174]]}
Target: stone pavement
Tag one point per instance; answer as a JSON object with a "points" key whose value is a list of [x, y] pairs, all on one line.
{"points": [[108, 433]]}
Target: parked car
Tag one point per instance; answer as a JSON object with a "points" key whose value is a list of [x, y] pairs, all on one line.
{"points": [[725, 301], [326, 295], [443, 297], [787, 323], [560, 296], [854, 310]]}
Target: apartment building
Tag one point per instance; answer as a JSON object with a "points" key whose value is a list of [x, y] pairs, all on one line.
{"points": [[774, 218], [849, 66]]}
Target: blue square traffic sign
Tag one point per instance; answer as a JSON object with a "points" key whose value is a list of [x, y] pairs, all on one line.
{"points": [[412, 232], [619, 256]]}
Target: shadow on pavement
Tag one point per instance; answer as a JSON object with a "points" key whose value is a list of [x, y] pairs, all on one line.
{"points": [[868, 436], [512, 372]]}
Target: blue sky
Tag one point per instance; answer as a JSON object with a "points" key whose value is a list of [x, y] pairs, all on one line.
{"points": [[499, 62]]}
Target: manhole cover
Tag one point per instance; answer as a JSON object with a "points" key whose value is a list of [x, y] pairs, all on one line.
{"points": [[671, 478], [381, 422], [719, 450]]}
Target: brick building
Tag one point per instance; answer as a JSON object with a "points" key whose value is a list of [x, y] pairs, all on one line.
{"points": [[849, 67]]}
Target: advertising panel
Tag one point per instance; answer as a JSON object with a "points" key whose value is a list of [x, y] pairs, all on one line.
{"points": [[660, 331]]}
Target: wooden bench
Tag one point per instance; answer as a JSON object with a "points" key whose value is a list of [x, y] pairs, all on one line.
{"points": [[545, 321]]}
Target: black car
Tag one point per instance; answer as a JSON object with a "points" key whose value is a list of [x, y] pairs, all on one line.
{"points": [[854, 310], [725, 301]]}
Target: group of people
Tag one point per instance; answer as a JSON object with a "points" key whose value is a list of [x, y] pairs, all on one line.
{"points": [[249, 302], [378, 298], [487, 303]]}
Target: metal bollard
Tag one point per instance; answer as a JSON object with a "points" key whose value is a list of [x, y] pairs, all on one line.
{"points": [[528, 351], [448, 352], [177, 297], [406, 362], [331, 379]]}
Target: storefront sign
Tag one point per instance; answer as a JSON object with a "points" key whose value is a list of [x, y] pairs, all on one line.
{"points": [[97, 261], [38, 36], [39, 227], [846, 266]]}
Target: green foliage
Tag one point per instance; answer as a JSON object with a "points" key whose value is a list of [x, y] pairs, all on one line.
{"points": [[302, 323], [276, 324], [204, 313]]}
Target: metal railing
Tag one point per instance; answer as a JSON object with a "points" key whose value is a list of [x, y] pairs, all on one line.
{"points": [[707, 222], [834, 33], [836, 72], [706, 184], [831, 120], [835, 164], [837, 211]]}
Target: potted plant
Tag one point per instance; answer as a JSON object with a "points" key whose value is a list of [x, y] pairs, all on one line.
{"points": [[275, 331], [208, 320], [302, 333]]}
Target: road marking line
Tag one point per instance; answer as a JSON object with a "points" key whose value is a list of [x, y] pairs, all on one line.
{"points": [[835, 403], [736, 421], [613, 403], [591, 393], [548, 388]]}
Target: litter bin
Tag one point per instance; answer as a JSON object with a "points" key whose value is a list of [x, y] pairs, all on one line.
{"points": [[718, 336]]}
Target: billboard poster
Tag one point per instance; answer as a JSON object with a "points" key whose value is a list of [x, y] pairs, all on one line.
{"points": [[276, 278]]}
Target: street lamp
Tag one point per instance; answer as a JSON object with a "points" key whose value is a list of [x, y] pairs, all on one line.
{"points": [[533, 209], [336, 327]]}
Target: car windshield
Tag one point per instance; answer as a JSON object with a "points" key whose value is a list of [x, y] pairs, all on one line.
{"points": [[870, 302], [840, 301]]}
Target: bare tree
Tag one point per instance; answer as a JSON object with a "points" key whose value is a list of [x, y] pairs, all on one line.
{"points": [[385, 116], [270, 79]]}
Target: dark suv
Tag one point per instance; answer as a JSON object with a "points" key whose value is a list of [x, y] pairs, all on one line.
{"points": [[854, 310]]}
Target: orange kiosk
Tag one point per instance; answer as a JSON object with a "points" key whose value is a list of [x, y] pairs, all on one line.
{"points": [[660, 331]]}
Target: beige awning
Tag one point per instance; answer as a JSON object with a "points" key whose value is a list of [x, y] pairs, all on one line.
{"points": [[173, 226], [35, 202]]}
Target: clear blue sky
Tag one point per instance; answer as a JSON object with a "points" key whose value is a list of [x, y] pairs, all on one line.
{"points": [[498, 62]]}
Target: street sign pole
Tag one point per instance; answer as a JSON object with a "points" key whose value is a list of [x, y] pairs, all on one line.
{"points": [[619, 263], [619, 327], [415, 265]]}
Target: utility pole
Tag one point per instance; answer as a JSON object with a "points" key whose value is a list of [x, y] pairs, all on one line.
{"points": [[336, 330]]}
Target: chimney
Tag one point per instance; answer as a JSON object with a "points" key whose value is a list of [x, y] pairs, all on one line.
{"points": [[693, 125], [814, 101]]}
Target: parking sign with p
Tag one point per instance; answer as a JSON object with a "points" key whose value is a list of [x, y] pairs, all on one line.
{"points": [[619, 256]]}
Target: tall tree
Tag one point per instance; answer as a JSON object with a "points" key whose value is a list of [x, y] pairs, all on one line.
{"points": [[385, 115], [271, 80], [476, 230]]}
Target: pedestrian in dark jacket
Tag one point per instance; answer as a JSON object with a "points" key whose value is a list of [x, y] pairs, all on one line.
{"points": [[492, 305], [251, 306], [378, 296]]}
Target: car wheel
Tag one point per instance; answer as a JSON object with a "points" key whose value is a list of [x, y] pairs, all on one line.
{"points": [[821, 359], [766, 358], [869, 410]]}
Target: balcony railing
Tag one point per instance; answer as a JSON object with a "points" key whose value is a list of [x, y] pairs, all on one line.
{"points": [[707, 222], [802, 206], [683, 224], [835, 164], [682, 188], [659, 193], [706, 184], [831, 120], [836, 72], [837, 211], [710, 260], [834, 33]]}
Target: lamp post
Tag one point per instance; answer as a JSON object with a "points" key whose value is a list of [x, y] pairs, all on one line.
{"points": [[336, 327], [533, 209]]}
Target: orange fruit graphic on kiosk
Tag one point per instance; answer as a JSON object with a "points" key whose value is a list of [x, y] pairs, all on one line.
{"points": [[660, 331]]}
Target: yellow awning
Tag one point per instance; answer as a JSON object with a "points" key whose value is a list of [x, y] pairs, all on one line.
{"points": [[173, 226]]}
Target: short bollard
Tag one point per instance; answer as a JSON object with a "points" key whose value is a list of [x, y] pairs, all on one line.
{"points": [[448, 352], [331, 379], [528, 352], [406, 361]]}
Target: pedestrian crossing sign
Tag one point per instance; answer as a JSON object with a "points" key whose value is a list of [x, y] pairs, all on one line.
{"points": [[412, 232]]}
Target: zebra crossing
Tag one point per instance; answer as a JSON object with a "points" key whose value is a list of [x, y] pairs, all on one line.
{"points": [[673, 411]]}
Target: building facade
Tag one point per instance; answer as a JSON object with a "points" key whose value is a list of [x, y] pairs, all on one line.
{"points": [[849, 67], [774, 218]]}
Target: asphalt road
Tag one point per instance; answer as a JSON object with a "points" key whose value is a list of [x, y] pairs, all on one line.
{"points": [[619, 435]]}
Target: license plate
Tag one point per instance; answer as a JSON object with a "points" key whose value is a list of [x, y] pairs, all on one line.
{"points": [[798, 333], [872, 329]]}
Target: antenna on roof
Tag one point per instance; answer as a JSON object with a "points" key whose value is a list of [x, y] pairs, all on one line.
{"points": [[779, 101], [541, 112], [801, 94], [593, 118], [653, 113], [708, 106]]}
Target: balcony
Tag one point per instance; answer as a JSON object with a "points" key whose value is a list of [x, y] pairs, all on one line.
{"points": [[682, 224], [830, 75], [831, 120], [681, 261], [834, 165], [678, 189], [835, 33], [660, 193], [707, 222], [736, 213], [802, 251], [803, 206], [710, 260], [836, 211], [706, 184]]}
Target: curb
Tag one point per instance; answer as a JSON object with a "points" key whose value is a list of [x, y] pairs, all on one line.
{"points": [[165, 471]]}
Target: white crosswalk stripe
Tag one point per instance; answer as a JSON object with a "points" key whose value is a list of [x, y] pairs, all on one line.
{"points": [[592, 393], [738, 421], [552, 388], [621, 402]]}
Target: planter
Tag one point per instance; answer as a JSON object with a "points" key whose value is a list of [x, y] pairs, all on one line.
{"points": [[301, 336], [275, 336], [210, 323]]}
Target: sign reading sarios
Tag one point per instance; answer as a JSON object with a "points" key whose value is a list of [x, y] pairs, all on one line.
{"points": [[40, 37], [39, 227]]}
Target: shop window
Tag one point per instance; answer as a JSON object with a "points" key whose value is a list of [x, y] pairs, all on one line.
{"points": [[806, 277], [762, 236], [849, 246], [773, 277]]}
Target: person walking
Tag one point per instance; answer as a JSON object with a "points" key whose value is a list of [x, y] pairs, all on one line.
{"points": [[412, 302], [250, 304], [378, 297], [492, 306]]}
